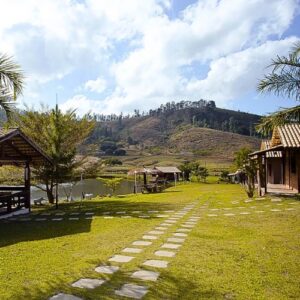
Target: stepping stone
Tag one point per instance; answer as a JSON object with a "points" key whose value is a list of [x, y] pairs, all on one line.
{"points": [[46, 214], [169, 211], [253, 207], [279, 204], [62, 296], [214, 209], [141, 243], [170, 246], [125, 217], [145, 275], [162, 216], [89, 213], [107, 269], [275, 200], [259, 211], [187, 225], [106, 213], [156, 263], [275, 209], [121, 258], [261, 198], [73, 219], [149, 237], [180, 234], [57, 219], [174, 218], [108, 217], [166, 224], [212, 215], [144, 216], [132, 250], [268, 205], [88, 283], [227, 208], [60, 214], [121, 212], [161, 228], [234, 202], [89, 218], [175, 240], [241, 207], [184, 230], [190, 223], [136, 212], [164, 253], [37, 219], [153, 211], [293, 203], [132, 291], [290, 208], [155, 232], [74, 214], [248, 201], [171, 221], [25, 219], [244, 213], [229, 215]]}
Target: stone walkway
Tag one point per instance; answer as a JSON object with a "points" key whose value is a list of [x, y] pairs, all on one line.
{"points": [[161, 257]]}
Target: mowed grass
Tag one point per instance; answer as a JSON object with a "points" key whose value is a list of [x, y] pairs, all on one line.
{"points": [[253, 256]]}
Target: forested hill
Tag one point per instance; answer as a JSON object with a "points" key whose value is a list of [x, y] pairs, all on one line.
{"points": [[159, 129]]}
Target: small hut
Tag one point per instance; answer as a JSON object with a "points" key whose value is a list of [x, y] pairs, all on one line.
{"points": [[169, 173], [19, 150], [279, 161]]}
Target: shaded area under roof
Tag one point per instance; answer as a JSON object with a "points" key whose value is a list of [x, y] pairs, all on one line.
{"points": [[16, 148]]}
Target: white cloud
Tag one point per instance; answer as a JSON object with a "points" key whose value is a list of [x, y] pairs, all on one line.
{"points": [[98, 85]]}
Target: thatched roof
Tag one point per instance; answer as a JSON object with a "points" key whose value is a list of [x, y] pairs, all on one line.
{"points": [[16, 148], [287, 135], [167, 170]]}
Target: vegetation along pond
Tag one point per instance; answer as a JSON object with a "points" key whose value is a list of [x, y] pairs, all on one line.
{"points": [[86, 186]]}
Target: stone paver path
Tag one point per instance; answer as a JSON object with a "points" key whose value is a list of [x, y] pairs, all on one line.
{"points": [[132, 291]]}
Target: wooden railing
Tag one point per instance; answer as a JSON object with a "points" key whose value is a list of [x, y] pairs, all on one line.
{"points": [[13, 201]]}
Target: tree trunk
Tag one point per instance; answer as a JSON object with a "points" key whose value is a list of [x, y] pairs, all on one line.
{"points": [[50, 193]]}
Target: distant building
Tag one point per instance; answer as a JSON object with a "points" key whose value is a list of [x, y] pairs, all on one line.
{"points": [[169, 173], [279, 161]]}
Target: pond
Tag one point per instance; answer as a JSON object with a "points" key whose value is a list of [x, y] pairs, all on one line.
{"points": [[86, 186]]}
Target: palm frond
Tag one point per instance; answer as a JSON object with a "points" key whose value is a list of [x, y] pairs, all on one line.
{"points": [[284, 116]]}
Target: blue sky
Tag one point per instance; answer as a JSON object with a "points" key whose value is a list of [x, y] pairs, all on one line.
{"points": [[118, 55]]}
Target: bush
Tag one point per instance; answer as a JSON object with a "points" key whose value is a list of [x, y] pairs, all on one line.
{"points": [[119, 152]]}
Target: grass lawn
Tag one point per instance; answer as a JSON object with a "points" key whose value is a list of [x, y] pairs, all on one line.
{"points": [[239, 256]]}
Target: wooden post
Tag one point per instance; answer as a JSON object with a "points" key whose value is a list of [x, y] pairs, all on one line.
{"points": [[259, 175], [265, 173], [27, 185]]}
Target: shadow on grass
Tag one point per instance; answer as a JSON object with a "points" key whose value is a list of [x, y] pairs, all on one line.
{"points": [[16, 230], [167, 287]]}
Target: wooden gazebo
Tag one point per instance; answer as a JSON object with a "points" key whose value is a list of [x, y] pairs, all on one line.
{"points": [[19, 150]]}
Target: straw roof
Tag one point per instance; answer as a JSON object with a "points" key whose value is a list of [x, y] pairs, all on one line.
{"points": [[287, 135]]}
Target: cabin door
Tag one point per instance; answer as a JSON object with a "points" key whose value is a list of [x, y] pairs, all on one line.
{"points": [[277, 171]]}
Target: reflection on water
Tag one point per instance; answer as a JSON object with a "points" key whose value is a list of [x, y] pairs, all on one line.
{"points": [[87, 186]]}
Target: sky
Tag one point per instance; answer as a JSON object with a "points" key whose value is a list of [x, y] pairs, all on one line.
{"points": [[119, 55]]}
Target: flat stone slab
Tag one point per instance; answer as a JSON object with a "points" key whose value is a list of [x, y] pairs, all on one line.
{"points": [[290, 208], [136, 212], [132, 291], [89, 213], [175, 240], [183, 230], [106, 213], [181, 234], [260, 211], [57, 219], [156, 263], [169, 211], [149, 237], [46, 214], [170, 246], [125, 217], [62, 296], [121, 258], [73, 219], [74, 214], [107, 269], [214, 209], [108, 217], [275, 209], [60, 214], [121, 212], [153, 211], [164, 253], [141, 243], [40, 219], [212, 215], [155, 232], [88, 283], [171, 221], [188, 225], [145, 275], [244, 213], [275, 200], [248, 201], [161, 228], [227, 208], [132, 250], [229, 215], [166, 224], [144, 216], [162, 216]]}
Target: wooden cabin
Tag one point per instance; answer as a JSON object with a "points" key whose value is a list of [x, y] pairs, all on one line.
{"points": [[279, 161], [18, 150]]}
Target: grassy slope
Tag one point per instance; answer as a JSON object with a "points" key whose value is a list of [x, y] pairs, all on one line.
{"points": [[243, 257]]}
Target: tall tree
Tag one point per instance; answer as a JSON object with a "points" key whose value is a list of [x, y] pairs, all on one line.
{"points": [[59, 134], [284, 80], [11, 83]]}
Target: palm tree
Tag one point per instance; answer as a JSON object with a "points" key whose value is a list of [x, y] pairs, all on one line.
{"points": [[284, 80], [11, 83]]}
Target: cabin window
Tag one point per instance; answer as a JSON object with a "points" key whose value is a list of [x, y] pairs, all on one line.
{"points": [[270, 169], [293, 164]]}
